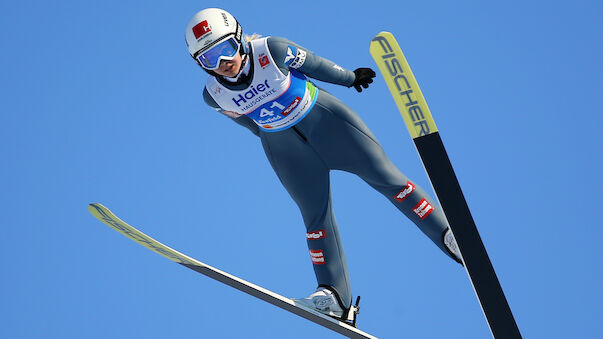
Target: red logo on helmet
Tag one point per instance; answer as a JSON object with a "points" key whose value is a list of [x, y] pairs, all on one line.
{"points": [[201, 29], [264, 61]]}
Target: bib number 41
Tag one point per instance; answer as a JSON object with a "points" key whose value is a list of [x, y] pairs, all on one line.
{"points": [[268, 113]]}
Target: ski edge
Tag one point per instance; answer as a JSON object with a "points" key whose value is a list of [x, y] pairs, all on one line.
{"points": [[107, 217]]}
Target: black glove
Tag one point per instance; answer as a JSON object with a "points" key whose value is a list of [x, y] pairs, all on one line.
{"points": [[364, 76]]}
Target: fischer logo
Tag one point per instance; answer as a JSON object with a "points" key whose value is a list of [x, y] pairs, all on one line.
{"points": [[316, 235], [405, 91], [318, 257], [403, 194], [423, 209], [201, 29], [263, 59]]}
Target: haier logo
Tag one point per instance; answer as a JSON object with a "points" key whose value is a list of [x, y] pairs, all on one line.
{"points": [[201, 29], [251, 93], [316, 235], [403, 194]]}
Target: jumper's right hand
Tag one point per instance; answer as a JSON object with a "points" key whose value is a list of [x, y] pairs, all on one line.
{"points": [[364, 76]]}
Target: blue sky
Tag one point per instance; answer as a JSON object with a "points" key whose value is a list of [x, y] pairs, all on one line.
{"points": [[101, 103]]}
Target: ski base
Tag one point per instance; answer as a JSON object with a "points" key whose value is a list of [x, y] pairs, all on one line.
{"points": [[347, 329]]}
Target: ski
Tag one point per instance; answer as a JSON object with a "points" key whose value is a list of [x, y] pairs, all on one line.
{"points": [[106, 216], [412, 106]]}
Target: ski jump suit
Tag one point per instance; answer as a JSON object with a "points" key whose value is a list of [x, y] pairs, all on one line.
{"points": [[305, 133]]}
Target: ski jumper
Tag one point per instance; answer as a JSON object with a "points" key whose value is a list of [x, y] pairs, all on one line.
{"points": [[306, 132]]}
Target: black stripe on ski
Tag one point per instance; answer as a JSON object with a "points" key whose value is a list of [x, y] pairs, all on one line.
{"points": [[476, 259]]}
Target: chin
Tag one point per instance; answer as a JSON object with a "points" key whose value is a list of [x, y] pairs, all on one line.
{"points": [[228, 74]]}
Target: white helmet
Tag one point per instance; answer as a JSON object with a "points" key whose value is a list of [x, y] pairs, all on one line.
{"points": [[212, 35]]}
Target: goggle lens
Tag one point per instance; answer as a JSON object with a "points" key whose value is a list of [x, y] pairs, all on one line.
{"points": [[225, 50]]}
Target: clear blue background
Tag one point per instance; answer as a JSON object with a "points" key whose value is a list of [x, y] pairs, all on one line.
{"points": [[100, 102]]}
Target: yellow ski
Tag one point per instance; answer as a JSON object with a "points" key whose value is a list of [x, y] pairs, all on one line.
{"points": [[402, 85], [106, 216]]}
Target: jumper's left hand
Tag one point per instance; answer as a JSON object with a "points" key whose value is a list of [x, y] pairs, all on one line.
{"points": [[364, 76]]}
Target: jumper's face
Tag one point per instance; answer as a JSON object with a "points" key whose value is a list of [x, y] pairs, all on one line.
{"points": [[230, 68]]}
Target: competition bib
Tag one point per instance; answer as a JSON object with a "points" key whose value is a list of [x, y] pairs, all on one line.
{"points": [[273, 100]]}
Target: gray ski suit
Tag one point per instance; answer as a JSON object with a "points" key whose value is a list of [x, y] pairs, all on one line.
{"points": [[330, 136]]}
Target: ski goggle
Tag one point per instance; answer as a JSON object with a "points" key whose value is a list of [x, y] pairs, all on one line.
{"points": [[225, 50]]}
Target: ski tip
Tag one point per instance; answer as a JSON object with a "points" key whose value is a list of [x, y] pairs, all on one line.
{"points": [[383, 33], [94, 207], [381, 41]]}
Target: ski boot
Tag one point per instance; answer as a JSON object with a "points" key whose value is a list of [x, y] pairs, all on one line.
{"points": [[452, 246], [325, 301]]}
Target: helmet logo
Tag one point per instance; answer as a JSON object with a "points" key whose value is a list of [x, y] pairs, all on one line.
{"points": [[200, 29], [225, 18], [238, 33]]}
